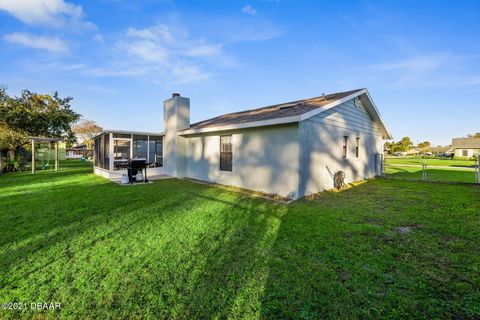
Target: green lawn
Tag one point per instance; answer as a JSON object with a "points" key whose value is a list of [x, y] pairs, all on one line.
{"points": [[436, 175], [430, 161], [180, 250]]}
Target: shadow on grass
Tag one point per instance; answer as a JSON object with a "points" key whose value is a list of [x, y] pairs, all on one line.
{"points": [[345, 258], [224, 278], [176, 249]]}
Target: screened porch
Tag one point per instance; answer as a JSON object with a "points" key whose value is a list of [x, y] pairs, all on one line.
{"points": [[114, 148]]}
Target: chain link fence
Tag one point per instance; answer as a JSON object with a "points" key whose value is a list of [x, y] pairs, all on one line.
{"points": [[429, 169]]}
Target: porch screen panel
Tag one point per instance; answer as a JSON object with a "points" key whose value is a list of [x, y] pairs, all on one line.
{"points": [[101, 157], [226, 155], [96, 152], [155, 155], [121, 149], [140, 146], [106, 151], [122, 135]]}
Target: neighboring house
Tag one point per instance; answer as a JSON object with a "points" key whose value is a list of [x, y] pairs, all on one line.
{"points": [[78, 151], [413, 152], [441, 150], [291, 149], [466, 147]]}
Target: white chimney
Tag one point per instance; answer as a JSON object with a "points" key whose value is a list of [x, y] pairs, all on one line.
{"points": [[176, 117]]}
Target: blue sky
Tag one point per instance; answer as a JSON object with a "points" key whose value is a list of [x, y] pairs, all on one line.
{"points": [[119, 59]]}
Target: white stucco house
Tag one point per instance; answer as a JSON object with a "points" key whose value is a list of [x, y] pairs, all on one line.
{"points": [[466, 147], [290, 149]]}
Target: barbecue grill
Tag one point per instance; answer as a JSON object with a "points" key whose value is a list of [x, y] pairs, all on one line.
{"points": [[134, 166]]}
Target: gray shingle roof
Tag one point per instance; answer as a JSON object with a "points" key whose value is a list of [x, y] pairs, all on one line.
{"points": [[466, 143], [282, 110], [440, 149]]}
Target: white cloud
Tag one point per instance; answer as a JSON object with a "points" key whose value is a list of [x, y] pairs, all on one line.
{"points": [[98, 37], [52, 44], [417, 64], [169, 52], [424, 70], [156, 33], [249, 9], [164, 54], [204, 51], [54, 13]]}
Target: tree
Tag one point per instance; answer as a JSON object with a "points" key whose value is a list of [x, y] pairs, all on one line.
{"points": [[474, 135], [86, 130], [37, 114], [393, 147], [33, 114], [424, 145], [405, 143]]}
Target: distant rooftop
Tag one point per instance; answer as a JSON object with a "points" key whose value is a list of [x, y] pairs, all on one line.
{"points": [[466, 143]]}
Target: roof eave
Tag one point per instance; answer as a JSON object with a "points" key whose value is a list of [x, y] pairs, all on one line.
{"points": [[254, 124], [128, 132]]}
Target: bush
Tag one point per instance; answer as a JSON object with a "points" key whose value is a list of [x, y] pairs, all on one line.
{"points": [[13, 165]]}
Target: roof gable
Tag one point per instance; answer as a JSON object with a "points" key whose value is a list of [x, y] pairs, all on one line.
{"points": [[466, 143], [289, 112]]}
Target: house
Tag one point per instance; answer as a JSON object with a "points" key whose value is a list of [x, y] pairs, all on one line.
{"points": [[466, 147], [291, 149], [446, 151], [414, 152], [78, 151]]}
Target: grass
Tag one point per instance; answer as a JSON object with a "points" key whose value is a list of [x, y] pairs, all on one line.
{"points": [[435, 175], [438, 170], [430, 161], [176, 249]]}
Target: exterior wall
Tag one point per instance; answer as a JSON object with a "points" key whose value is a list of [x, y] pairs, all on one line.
{"points": [[321, 147], [176, 117], [101, 172], [264, 159], [471, 152]]}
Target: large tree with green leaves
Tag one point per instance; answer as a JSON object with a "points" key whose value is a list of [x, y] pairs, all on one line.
{"points": [[405, 143], [33, 114], [425, 145]]}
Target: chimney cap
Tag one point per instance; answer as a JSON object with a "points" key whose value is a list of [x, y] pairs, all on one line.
{"points": [[175, 94]]}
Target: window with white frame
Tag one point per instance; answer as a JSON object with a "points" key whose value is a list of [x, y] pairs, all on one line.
{"points": [[226, 155], [345, 141], [357, 147]]}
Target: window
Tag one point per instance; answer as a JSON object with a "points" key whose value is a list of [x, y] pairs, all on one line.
{"points": [[357, 147], [345, 138], [465, 153], [226, 153], [356, 102]]}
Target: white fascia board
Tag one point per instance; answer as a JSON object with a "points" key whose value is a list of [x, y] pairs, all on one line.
{"points": [[106, 131], [263, 123], [133, 132]]}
